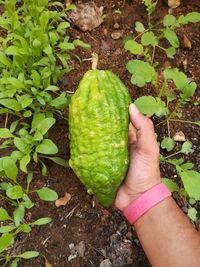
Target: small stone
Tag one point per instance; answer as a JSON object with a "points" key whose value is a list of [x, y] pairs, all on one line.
{"points": [[105, 263], [105, 31], [71, 246], [80, 248], [116, 26], [186, 42], [116, 35], [174, 3], [179, 137], [105, 46], [129, 260], [71, 257], [129, 235]]}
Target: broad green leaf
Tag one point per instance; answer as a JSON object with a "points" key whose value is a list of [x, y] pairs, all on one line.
{"points": [[171, 37], [169, 20], [44, 169], [15, 262], [193, 17], [37, 118], [5, 241], [24, 162], [11, 104], [189, 90], [147, 105], [25, 228], [28, 255], [15, 192], [187, 147], [149, 38], [47, 147], [6, 229], [21, 145], [12, 50], [60, 102], [59, 161], [178, 77], [171, 52], [167, 143], [171, 185], [187, 166], [5, 60], [10, 168], [42, 221], [13, 126], [78, 42], [18, 214], [5, 133], [47, 194], [142, 72], [66, 46], [4, 215], [62, 26], [133, 47], [139, 27], [192, 214], [45, 125], [44, 19], [163, 109], [191, 182]]}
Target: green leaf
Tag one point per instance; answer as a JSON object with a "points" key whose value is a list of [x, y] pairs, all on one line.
{"points": [[78, 42], [5, 133], [47, 194], [171, 185], [24, 162], [44, 169], [6, 229], [62, 26], [142, 72], [139, 27], [66, 46], [18, 214], [47, 147], [25, 228], [15, 263], [21, 145], [5, 60], [193, 17], [187, 147], [60, 102], [5, 241], [133, 47], [59, 161], [187, 166], [171, 37], [10, 168], [169, 20], [178, 77], [45, 125], [167, 143], [191, 182], [28, 255], [15, 192], [12, 50], [170, 52], [42, 221], [149, 38], [192, 214], [189, 90], [4, 215], [147, 105], [11, 104]]}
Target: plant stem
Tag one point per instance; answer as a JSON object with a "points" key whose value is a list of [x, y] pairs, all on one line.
{"points": [[183, 121], [174, 154], [94, 61], [152, 59]]}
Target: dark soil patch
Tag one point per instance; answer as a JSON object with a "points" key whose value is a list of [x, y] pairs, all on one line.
{"points": [[105, 233]]}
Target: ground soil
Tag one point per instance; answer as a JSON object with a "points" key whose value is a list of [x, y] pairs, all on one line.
{"points": [[104, 232]]}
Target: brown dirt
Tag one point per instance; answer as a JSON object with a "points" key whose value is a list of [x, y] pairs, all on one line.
{"points": [[105, 232]]}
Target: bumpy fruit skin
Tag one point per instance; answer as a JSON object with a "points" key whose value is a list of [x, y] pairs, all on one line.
{"points": [[98, 124]]}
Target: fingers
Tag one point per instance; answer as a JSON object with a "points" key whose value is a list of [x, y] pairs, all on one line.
{"points": [[146, 139], [131, 134]]}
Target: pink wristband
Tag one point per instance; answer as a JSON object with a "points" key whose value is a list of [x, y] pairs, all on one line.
{"points": [[145, 202]]}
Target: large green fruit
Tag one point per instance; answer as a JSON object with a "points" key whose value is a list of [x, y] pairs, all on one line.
{"points": [[98, 124]]}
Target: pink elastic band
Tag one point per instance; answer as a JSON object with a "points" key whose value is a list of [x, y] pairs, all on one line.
{"points": [[145, 202]]}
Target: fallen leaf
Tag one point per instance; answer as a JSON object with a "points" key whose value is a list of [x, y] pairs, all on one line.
{"points": [[186, 42], [174, 3], [179, 137], [63, 200], [47, 263]]}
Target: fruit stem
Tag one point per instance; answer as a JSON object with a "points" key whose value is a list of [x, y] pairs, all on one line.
{"points": [[95, 59]]}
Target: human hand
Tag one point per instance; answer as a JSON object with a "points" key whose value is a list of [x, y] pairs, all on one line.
{"points": [[144, 170]]}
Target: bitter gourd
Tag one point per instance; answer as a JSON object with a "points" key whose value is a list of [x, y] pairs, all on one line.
{"points": [[98, 125]]}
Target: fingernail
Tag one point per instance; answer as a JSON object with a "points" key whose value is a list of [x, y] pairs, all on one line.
{"points": [[133, 109]]}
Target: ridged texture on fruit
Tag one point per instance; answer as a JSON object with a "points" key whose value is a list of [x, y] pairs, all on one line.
{"points": [[98, 124]]}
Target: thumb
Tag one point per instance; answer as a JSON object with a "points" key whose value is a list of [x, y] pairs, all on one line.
{"points": [[146, 139]]}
